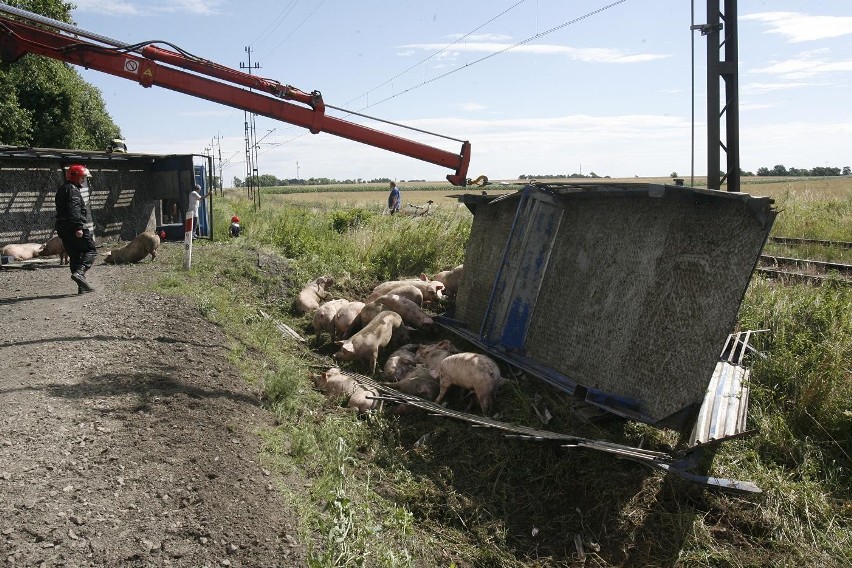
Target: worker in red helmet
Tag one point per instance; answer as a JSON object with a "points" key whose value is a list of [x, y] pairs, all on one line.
{"points": [[235, 226], [71, 220]]}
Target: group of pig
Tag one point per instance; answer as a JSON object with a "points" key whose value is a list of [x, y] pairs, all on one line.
{"points": [[142, 245], [29, 251], [384, 319]]}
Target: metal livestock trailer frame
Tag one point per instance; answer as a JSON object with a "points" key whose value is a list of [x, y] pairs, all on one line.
{"points": [[624, 295]]}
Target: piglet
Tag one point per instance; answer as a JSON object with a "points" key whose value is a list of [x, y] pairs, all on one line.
{"points": [[400, 362], [410, 312], [450, 279], [366, 343], [410, 292], [22, 251], [52, 247], [432, 354], [472, 371], [311, 295], [324, 318], [141, 246], [419, 382], [334, 383], [362, 399], [348, 319]]}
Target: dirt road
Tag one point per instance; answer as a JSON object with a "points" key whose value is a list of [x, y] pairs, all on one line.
{"points": [[126, 438]]}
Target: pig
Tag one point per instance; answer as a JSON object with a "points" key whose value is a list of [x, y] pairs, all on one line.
{"points": [[472, 371], [22, 251], [370, 311], [410, 292], [334, 383], [366, 343], [311, 295], [419, 382], [141, 246], [348, 319], [52, 247], [400, 362], [324, 318], [410, 312], [432, 354], [361, 400], [450, 279], [432, 291]]}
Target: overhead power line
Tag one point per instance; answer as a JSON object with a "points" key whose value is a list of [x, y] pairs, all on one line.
{"points": [[472, 63], [308, 17], [267, 33], [440, 51], [500, 52]]}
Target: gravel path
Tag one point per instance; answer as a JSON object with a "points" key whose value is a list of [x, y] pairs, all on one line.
{"points": [[126, 437]]}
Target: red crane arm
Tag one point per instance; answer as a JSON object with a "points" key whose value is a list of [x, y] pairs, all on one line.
{"points": [[18, 38]]}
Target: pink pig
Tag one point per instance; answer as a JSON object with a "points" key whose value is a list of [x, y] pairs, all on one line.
{"points": [[473, 371]]}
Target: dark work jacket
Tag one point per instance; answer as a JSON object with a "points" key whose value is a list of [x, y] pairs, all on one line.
{"points": [[70, 207]]}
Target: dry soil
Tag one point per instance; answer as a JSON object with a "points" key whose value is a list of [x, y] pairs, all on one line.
{"points": [[126, 437]]}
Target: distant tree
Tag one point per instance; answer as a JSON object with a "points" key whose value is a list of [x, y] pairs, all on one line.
{"points": [[46, 103], [825, 171], [847, 170], [238, 182], [267, 180], [778, 170], [763, 171], [673, 175]]}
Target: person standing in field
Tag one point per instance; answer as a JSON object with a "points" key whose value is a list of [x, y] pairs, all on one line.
{"points": [[194, 201], [394, 198], [71, 220]]}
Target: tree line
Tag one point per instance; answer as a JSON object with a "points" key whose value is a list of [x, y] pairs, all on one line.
{"points": [[269, 180], [820, 171], [45, 103]]}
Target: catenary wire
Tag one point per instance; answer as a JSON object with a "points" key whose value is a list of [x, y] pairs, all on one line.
{"points": [[481, 59]]}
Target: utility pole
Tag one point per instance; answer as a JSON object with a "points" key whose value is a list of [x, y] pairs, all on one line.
{"points": [[722, 64], [297, 170], [219, 148], [251, 142]]}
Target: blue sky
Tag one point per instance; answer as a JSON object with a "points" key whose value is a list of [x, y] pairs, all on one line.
{"points": [[609, 93]]}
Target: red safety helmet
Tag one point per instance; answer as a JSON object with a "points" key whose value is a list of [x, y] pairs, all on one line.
{"points": [[77, 171], [235, 219]]}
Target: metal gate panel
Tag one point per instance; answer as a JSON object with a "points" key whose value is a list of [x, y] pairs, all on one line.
{"points": [[525, 258]]}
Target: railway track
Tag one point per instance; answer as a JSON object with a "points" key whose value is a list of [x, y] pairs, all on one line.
{"points": [[803, 269], [798, 241]]}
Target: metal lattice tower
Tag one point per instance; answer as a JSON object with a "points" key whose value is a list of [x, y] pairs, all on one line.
{"points": [[722, 67]]}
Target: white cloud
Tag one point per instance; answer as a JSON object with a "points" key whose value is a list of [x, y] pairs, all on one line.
{"points": [[757, 106], [482, 37], [585, 55], [471, 107], [798, 27], [117, 8], [760, 88], [807, 64], [133, 8]]}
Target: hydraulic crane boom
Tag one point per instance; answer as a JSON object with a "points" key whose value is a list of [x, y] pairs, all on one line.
{"points": [[149, 65]]}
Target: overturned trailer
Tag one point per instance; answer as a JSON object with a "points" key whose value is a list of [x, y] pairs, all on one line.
{"points": [[624, 295], [129, 193]]}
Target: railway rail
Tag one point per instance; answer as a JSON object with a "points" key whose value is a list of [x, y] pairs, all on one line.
{"points": [[798, 241], [803, 269]]}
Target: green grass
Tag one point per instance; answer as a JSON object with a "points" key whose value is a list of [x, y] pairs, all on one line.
{"points": [[417, 490]]}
